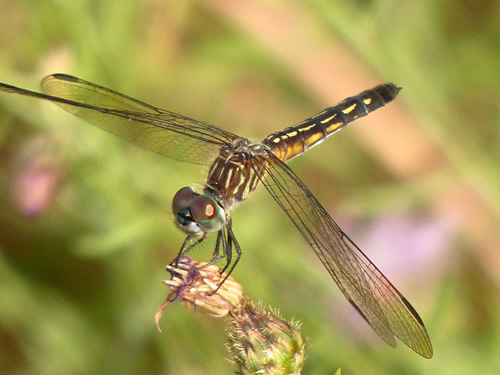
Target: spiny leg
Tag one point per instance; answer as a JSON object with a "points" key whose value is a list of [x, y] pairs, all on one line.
{"points": [[215, 255], [186, 247], [229, 248], [226, 236], [221, 238], [231, 240]]}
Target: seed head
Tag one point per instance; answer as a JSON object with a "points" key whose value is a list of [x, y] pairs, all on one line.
{"points": [[195, 285]]}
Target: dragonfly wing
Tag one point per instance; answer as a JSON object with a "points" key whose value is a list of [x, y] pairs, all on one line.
{"points": [[367, 289], [158, 130]]}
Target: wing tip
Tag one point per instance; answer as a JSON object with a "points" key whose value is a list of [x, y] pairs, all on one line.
{"points": [[63, 77]]}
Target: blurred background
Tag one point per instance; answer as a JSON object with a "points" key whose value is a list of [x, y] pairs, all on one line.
{"points": [[85, 220]]}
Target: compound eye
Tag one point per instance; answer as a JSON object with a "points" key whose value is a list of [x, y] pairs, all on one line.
{"points": [[207, 213], [203, 208], [182, 199]]}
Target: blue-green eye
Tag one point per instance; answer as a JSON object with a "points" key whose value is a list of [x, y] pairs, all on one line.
{"points": [[207, 213], [182, 199], [197, 214]]}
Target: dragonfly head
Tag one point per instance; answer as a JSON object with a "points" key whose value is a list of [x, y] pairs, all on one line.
{"points": [[197, 214]]}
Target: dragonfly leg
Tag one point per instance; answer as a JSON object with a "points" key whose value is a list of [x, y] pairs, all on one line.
{"points": [[229, 249], [189, 244], [226, 237], [216, 257], [220, 238], [232, 240]]}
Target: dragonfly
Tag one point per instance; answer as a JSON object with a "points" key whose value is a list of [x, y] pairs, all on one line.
{"points": [[236, 167]]}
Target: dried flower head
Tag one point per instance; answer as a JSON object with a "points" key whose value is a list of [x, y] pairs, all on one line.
{"points": [[197, 285]]}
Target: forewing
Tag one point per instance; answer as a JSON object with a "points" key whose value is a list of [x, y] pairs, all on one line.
{"points": [[368, 290], [161, 131]]}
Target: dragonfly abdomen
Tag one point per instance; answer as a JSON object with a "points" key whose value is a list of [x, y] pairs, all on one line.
{"points": [[296, 139]]}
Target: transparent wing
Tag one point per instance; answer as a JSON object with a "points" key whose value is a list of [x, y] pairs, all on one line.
{"points": [[366, 288], [158, 130]]}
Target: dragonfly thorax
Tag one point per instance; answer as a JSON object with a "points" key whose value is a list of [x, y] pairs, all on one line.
{"points": [[232, 176], [197, 214]]}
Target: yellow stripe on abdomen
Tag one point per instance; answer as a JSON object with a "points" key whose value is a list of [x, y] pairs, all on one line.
{"points": [[296, 139]]}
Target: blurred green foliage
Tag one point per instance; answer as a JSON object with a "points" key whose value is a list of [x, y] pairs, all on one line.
{"points": [[80, 268]]}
